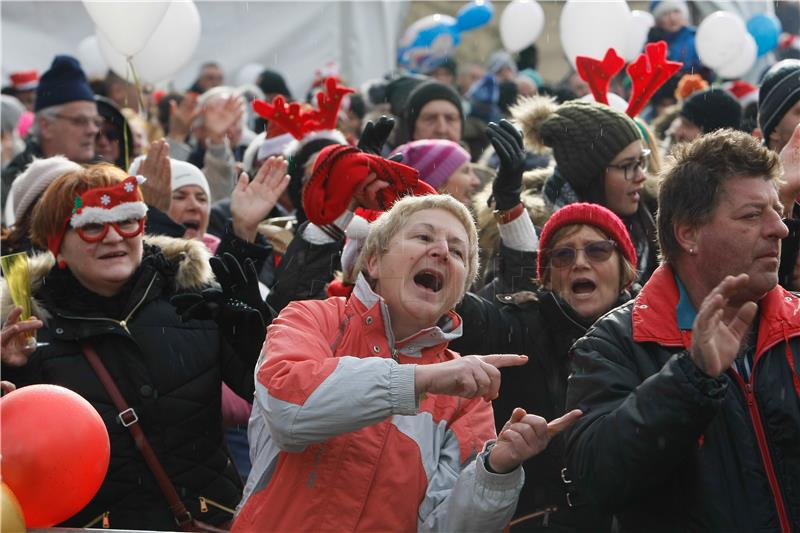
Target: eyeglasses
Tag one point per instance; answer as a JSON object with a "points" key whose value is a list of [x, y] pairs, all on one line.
{"points": [[127, 228], [82, 121], [109, 133], [596, 252], [629, 169]]}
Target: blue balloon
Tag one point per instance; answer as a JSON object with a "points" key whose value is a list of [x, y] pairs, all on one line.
{"points": [[474, 15], [765, 29]]}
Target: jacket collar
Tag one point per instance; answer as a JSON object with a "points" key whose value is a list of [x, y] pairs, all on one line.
{"points": [[655, 313], [366, 302]]}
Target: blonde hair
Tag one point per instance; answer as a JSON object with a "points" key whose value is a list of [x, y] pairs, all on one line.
{"points": [[389, 223]]}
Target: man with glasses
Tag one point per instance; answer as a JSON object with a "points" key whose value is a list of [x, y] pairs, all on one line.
{"points": [[691, 392], [67, 121]]}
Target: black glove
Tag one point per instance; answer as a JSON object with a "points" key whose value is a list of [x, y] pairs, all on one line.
{"points": [[238, 295], [507, 142], [237, 321], [374, 135]]}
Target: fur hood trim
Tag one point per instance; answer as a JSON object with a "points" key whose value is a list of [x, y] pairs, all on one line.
{"points": [[530, 113], [194, 270]]}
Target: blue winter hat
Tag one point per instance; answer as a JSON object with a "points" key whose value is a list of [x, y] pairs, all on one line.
{"points": [[65, 82]]}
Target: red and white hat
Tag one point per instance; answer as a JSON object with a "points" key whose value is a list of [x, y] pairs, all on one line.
{"points": [[745, 93], [24, 81], [101, 205]]}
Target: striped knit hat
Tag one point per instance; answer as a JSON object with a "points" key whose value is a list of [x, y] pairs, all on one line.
{"points": [[435, 159]]}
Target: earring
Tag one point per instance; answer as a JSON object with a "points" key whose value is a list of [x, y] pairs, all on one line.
{"points": [[62, 264], [691, 251]]}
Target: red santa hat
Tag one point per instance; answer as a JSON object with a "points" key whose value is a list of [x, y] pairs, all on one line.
{"points": [[26, 80], [102, 205], [746, 93]]}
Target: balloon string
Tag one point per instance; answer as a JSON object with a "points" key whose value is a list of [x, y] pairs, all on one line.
{"points": [[130, 71]]}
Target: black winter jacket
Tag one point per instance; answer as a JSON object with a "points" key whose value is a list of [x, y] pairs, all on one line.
{"points": [[542, 326], [169, 372], [668, 448]]}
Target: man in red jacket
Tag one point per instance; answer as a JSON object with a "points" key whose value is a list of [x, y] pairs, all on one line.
{"points": [[691, 392]]}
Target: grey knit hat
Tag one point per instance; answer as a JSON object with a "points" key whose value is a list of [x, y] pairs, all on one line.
{"points": [[779, 91], [29, 185], [585, 136]]}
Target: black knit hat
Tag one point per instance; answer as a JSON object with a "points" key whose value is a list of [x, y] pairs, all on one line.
{"points": [[713, 109], [779, 91], [65, 82], [271, 83], [585, 138], [428, 92]]}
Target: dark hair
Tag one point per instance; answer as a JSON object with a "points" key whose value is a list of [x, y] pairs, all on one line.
{"points": [[694, 175]]}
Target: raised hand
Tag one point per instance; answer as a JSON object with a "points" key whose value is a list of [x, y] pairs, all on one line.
{"points": [[366, 193], [715, 340], [524, 436], [507, 143], [251, 201], [374, 136], [220, 115], [789, 191], [16, 345], [157, 189], [181, 117], [471, 376]]}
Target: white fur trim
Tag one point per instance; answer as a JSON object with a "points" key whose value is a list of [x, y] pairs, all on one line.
{"points": [[99, 215], [358, 228], [332, 135]]}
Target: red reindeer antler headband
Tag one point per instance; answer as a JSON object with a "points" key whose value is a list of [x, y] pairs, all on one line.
{"points": [[294, 119], [647, 73]]}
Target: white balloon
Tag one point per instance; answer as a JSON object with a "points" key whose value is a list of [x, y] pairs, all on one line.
{"points": [[641, 22], [521, 24], [92, 61], [591, 28], [742, 63], [168, 50], [719, 38], [614, 100], [249, 73], [126, 25]]}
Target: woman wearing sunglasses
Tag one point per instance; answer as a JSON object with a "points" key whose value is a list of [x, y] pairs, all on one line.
{"points": [[586, 265], [105, 286], [599, 158]]}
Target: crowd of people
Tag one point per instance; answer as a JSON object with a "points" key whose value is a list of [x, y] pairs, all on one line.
{"points": [[464, 300]]}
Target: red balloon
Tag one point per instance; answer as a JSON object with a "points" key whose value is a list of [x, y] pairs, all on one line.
{"points": [[55, 451]]}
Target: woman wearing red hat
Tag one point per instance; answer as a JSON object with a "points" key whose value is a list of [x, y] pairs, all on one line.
{"points": [[105, 289]]}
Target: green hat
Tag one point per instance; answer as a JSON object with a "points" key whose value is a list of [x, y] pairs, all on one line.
{"points": [[585, 136]]}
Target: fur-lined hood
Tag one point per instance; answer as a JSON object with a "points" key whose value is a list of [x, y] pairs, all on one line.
{"points": [[193, 273]]}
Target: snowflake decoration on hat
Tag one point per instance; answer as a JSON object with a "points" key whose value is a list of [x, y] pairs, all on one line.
{"points": [[128, 187], [106, 199]]}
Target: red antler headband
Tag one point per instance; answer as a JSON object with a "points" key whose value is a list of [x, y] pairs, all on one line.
{"points": [[294, 119], [647, 73]]}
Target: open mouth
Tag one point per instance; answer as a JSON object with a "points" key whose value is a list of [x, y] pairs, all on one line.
{"points": [[113, 255], [430, 280], [583, 286], [191, 224]]}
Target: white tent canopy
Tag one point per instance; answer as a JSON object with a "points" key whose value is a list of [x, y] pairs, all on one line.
{"points": [[294, 38]]}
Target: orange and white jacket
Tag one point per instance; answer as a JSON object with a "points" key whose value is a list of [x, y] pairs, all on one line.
{"points": [[340, 442]]}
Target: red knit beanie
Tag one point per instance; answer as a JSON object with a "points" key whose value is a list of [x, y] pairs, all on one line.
{"points": [[591, 215]]}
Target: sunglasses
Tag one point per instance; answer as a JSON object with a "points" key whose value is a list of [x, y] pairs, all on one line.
{"points": [[629, 169], [109, 133], [127, 228], [596, 252]]}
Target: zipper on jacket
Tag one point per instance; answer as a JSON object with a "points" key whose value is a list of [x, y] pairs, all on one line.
{"points": [[124, 322], [205, 502], [766, 459], [105, 520]]}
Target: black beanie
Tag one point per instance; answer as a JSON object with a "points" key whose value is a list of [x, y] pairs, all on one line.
{"points": [[65, 82], [585, 138], [271, 82], [427, 92], [779, 91], [398, 89], [713, 109]]}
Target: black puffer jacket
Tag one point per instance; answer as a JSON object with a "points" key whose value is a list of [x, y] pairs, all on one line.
{"points": [[542, 326], [169, 372], [668, 448]]}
